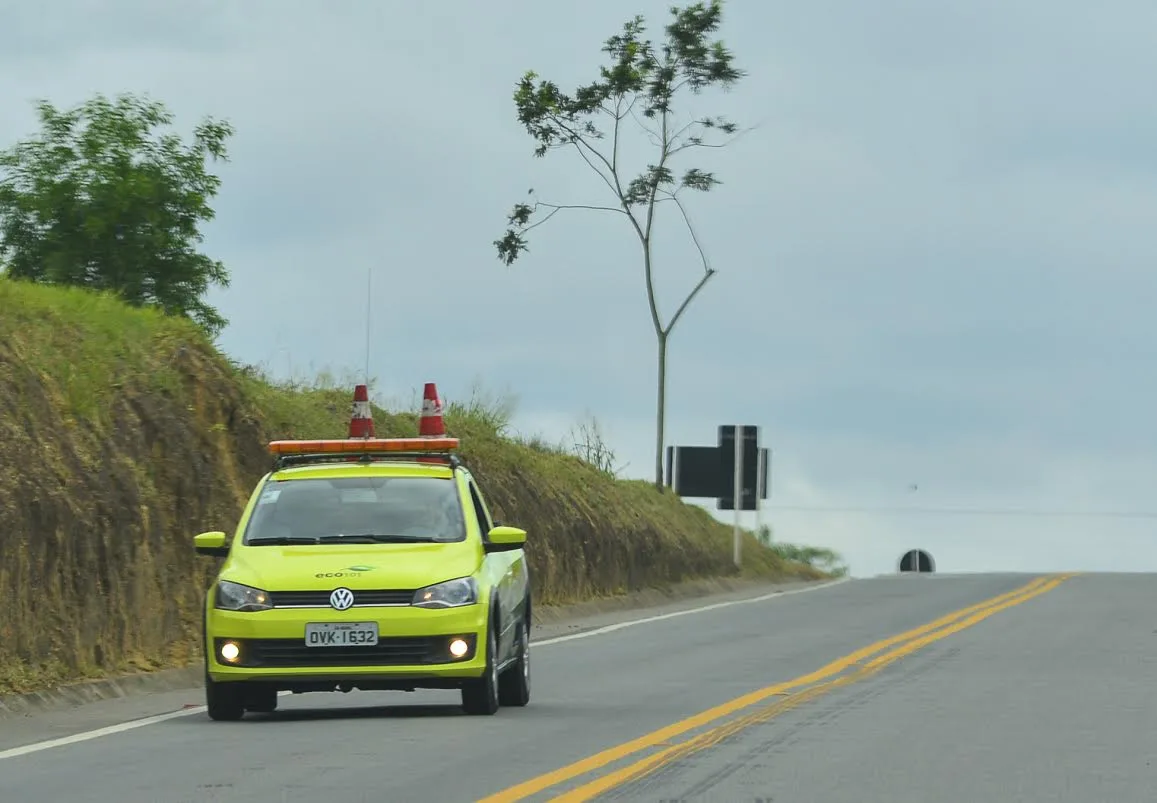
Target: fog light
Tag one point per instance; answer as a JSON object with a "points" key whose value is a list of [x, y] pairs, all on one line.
{"points": [[230, 651], [458, 648]]}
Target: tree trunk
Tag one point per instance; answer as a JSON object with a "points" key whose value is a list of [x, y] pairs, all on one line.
{"points": [[661, 411]]}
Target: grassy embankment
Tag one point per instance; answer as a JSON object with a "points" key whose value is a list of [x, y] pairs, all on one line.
{"points": [[124, 433]]}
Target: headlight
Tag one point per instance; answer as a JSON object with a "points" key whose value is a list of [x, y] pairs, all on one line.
{"points": [[236, 597], [450, 594]]}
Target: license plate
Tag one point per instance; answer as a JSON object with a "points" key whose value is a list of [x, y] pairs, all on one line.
{"points": [[341, 634]]}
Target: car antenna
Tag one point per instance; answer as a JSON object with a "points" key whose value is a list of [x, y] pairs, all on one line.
{"points": [[369, 307]]}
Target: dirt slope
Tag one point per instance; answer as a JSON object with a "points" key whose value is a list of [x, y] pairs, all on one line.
{"points": [[124, 433]]}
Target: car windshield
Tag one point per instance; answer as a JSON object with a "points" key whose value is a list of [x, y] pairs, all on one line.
{"points": [[357, 510]]}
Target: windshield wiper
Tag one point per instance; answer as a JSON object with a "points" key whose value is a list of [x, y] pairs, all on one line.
{"points": [[283, 540], [376, 538]]}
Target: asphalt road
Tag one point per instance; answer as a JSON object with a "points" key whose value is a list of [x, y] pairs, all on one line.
{"points": [[1045, 695]]}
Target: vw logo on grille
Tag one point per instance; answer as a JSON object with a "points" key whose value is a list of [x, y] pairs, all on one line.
{"points": [[341, 599]]}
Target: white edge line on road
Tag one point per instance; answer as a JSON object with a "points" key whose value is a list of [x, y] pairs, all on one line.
{"points": [[598, 631], [96, 734], [111, 730]]}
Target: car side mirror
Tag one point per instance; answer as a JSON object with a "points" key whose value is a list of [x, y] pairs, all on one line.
{"points": [[505, 539], [211, 544]]}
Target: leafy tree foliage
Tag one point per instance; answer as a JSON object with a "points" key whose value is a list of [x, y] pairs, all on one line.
{"points": [[101, 199], [639, 85]]}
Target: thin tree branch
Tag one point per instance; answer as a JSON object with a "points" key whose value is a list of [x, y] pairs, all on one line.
{"points": [[591, 207], [648, 268], [619, 112], [663, 156], [556, 208], [615, 136], [708, 271], [694, 235], [685, 146], [687, 301], [618, 187], [682, 131], [611, 185], [578, 140], [631, 106], [656, 140]]}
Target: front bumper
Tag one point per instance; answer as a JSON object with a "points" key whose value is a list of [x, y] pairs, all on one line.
{"points": [[413, 645]]}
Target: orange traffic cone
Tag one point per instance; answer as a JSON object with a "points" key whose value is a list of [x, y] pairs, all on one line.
{"points": [[430, 424], [361, 417]]}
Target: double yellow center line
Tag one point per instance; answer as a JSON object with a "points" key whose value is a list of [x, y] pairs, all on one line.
{"points": [[841, 672]]}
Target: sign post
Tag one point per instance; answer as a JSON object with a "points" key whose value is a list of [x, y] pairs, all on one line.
{"points": [[760, 478], [737, 546], [734, 473]]}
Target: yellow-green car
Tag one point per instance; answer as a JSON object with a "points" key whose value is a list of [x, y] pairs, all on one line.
{"points": [[367, 564]]}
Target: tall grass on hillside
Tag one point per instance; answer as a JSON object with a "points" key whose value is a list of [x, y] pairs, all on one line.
{"points": [[125, 433]]}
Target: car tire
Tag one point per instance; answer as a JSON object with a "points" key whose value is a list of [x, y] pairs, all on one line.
{"points": [[225, 701], [261, 700], [480, 696], [514, 683]]}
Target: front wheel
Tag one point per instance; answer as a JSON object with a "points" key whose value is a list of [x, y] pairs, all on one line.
{"points": [[480, 696], [514, 684], [225, 701]]}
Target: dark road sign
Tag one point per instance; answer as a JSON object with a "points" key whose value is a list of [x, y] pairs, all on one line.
{"points": [[708, 472], [704, 472], [693, 471], [917, 560]]}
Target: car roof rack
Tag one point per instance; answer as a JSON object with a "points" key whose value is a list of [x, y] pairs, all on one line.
{"points": [[364, 450], [321, 458]]}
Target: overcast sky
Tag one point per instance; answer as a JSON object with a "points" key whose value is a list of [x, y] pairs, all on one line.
{"points": [[935, 253]]}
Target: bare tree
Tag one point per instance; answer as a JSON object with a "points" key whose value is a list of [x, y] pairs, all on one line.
{"points": [[640, 84]]}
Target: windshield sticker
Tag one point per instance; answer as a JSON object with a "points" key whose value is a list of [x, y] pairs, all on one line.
{"points": [[270, 495], [356, 495]]}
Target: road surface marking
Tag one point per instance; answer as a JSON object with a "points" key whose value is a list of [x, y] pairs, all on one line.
{"points": [[710, 738], [122, 727], [911, 640], [96, 734], [598, 631]]}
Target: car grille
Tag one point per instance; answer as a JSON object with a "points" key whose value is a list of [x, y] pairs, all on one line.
{"points": [[394, 651], [320, 599]]}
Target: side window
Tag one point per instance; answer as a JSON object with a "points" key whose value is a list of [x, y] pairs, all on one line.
{"points": [[484, 521]]}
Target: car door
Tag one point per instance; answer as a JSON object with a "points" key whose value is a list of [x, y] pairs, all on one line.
{"points": [[507, 571]]}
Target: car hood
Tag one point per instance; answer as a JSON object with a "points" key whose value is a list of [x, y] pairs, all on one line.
{"points": [[355, 566]]}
